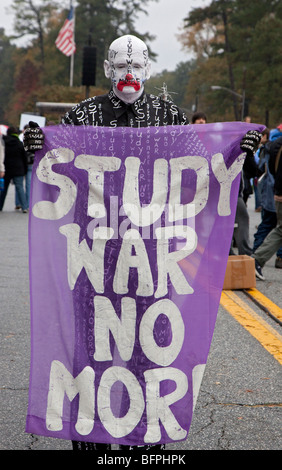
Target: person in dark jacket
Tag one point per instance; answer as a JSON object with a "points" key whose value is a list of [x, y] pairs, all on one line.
{"points": [[266, 194], [274, 239], [242, 220], [199, 118], [15, 162]]}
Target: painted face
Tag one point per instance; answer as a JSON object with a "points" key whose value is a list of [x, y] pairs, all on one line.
{"points": [[128, 67]]}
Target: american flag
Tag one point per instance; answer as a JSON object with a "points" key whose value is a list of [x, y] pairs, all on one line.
{"points": [[65, 40]]}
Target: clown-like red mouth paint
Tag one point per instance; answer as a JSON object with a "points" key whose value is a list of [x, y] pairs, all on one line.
{"points": [[129, 81]]}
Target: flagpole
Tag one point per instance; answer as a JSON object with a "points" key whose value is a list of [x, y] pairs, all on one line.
{"points": [[72, 56], [65, 40], [71, 69]]}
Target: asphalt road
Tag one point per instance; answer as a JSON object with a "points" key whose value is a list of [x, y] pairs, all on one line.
{"points": [[239, 404]]}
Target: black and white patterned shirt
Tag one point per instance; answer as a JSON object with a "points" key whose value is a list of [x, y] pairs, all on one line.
{"points": [[108, 110]]}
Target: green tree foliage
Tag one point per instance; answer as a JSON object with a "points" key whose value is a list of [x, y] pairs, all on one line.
{"points": [[97, 22], [243, 53], [236, 45], [7, 70], [176, 82], [32, 20], [25, 85]]}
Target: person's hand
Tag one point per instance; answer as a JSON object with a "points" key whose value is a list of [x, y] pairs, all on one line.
{"points": [[33, 138], [250, 141]]}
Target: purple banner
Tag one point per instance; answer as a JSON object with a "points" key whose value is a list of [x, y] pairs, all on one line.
{"points": [[130, 231]]}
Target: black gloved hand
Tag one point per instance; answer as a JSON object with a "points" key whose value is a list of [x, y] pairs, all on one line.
{"points": [[33, 138], [250, 141]]}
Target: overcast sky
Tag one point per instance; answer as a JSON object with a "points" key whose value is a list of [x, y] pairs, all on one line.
{"points": [[164, 20]]}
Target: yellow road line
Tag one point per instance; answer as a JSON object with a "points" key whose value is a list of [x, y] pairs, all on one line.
{"points": [[267, 303], [251, 321]]}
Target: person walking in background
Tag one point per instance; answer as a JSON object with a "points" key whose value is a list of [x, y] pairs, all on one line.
{"points": [[273, 241], [27, 177], [247, 119], [199, 118], [266, 194], [241, 234], [275, 133], [259, 155], [2, 155], [15, 162]]}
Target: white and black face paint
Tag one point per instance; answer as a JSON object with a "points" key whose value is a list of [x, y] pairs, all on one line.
{"points": [[128, 67]]}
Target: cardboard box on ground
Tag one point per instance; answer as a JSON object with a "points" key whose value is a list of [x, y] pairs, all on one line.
{"points": [[240, 273]]}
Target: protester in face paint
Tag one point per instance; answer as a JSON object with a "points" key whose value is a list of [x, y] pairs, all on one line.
{"points": [[126, 105]]}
